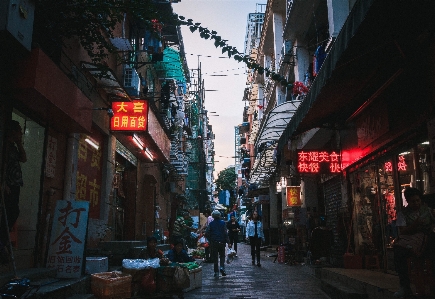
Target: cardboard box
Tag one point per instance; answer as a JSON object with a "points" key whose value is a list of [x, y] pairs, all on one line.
{"points": [[97, 265]]}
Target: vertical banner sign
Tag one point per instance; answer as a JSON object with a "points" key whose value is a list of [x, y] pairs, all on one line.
{"points": [[89, 173], [129, 116], [67, 242], [294, 196], [50, 159]]}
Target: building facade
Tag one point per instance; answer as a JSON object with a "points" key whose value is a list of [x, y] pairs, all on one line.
{"points": [[348, 137], [112, 135]]}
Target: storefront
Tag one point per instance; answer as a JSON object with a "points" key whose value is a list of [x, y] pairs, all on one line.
{"points": [[377, 192]]}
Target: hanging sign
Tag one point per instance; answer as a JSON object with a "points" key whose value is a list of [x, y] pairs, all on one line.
{"points": [[68, 234], [312, 161], [294, 196], [129, 116]]}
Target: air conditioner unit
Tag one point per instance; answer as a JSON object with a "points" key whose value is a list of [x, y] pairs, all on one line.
{"points": [[16, 18], [131, 82], [287, 50]]}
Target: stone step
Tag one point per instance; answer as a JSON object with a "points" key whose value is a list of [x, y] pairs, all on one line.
{"points": [[376, 284], [31, 274], [56, 288], [338, 290]]}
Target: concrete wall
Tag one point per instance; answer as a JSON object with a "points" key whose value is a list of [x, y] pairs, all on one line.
{"points": [[338, 10]]}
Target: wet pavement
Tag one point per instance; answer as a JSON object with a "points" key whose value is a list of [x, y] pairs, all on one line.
{"points": [[272, 280]]}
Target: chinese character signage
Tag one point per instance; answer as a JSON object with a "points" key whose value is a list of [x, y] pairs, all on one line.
{"points": [[67, 241], [90, 173], [50, 159], [319, 161], [294, 196], [129, 116], [401, 165]]}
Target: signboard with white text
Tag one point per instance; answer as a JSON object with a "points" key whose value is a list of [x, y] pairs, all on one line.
{"points": [[68, 235]]}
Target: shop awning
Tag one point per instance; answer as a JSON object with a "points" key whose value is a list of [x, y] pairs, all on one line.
{"points": [[264, 166], [276, 121], [365, 57], [45, 89], [106, 80], [171, 66]]}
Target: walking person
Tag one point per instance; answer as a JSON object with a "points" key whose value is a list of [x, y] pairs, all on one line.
{"points": [[255, 234], [233, 232], [217, 235], [209, 218]]}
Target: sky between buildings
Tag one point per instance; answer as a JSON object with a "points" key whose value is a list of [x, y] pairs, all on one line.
{"points": [[228, 18]]}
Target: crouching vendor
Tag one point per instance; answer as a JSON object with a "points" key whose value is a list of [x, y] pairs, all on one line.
{"points": [[177, 254], [151, 252]]}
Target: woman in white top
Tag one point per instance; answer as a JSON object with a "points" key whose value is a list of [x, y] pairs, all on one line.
{"points": [[255, 234]]}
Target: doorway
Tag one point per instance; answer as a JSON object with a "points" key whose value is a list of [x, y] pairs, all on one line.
{"points": [[25, 230]]}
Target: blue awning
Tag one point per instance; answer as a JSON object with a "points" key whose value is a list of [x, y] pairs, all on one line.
{"points": [[171, 67]]}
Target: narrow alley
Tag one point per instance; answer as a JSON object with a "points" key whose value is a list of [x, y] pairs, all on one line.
{"points": [[272, 280]]}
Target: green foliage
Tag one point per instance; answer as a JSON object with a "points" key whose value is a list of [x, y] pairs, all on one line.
{"points": [[93, 22], [226, 179], [232, 51]]}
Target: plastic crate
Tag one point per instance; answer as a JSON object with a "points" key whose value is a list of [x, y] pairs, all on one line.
{"points": [[111, 285]]}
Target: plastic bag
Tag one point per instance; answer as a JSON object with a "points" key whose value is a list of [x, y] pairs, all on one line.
{"points": [[181, 278], [140, 264], [202, 240]]}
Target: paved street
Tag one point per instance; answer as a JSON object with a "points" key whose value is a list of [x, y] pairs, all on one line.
{"points": [[272, 280]]}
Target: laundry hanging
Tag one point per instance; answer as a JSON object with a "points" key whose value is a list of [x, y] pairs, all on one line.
{"points": [[319, 57]]}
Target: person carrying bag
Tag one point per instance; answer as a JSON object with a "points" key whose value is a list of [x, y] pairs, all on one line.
{"points": [[217, 234]]}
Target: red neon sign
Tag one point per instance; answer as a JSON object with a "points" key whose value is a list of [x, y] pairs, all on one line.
{"points": [[401, 165], [319, 162], [388, 166], [129, 116]]}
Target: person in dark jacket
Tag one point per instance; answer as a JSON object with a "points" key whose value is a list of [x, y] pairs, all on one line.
{"points": [[178, 254], [218, 237], [233, 231]]}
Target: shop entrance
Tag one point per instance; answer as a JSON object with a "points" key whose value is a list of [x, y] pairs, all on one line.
{"points": [[24, 232], [377, 191]]}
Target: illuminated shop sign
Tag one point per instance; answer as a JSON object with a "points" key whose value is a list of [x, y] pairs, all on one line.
{"points": [[401, 165], [319, 161], [293, 196], [129, 116]]}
